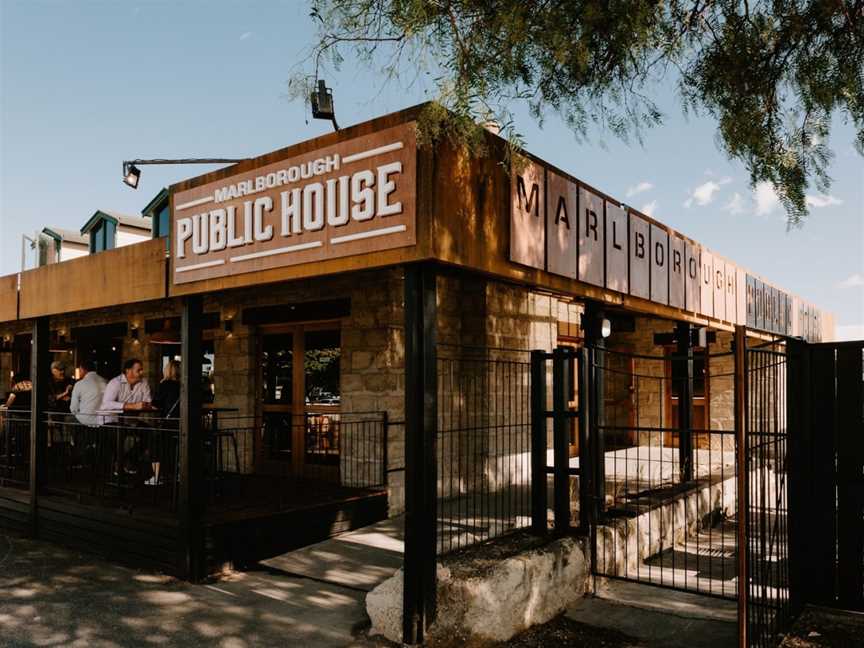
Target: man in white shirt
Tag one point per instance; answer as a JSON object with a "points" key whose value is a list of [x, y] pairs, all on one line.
{"points": [[128, 392], [87, 394]]}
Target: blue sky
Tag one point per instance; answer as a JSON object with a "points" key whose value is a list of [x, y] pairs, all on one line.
{"points": [[87, 84]]}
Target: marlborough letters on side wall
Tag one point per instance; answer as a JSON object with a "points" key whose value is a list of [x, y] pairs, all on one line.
{"points": [[564, 227]]}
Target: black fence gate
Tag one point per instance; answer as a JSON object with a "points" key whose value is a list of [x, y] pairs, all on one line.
{"points": [[827, 494], [665, 465], [767, 472]]}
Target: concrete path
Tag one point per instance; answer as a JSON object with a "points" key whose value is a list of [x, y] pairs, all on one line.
{"points": [[51, 596], [659, 617], [360, 559]]}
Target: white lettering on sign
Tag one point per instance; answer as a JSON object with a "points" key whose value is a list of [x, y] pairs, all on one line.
{"points": [[303, 209], [354, 196]]}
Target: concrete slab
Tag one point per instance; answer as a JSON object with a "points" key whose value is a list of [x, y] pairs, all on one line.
{"points": [[654, 627], [682, 604], [361, 559]]}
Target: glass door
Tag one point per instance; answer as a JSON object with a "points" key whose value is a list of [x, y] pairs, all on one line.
{"points": [[300, 397]]}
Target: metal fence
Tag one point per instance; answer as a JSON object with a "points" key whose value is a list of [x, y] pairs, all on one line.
{"points": [[251, 459], [15, 449], [483, 444], [117, 461], [765, 513], [669, 495]]}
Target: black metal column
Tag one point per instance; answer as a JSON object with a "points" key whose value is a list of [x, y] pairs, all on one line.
{"points": [[421, 420], [799, 472], [560, 440], [587, 505], [682, 378], [538, 442], [592, 324], [191, 491], [40, 376]]}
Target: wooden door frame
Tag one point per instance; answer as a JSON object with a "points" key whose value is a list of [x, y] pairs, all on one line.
{"points": [[298, 383]]}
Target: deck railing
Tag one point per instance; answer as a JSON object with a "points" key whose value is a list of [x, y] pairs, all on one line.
{"points": [[15, 449]]}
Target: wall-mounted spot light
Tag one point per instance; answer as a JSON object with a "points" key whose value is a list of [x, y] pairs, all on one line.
{"points": [[322, 103], [229, 327], [134, 334], [131, 174]]}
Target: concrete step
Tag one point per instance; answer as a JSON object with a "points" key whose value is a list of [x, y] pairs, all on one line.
{"points": [[660, 617]]}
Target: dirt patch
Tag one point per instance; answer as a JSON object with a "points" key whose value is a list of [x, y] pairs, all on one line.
{"points": [[479, 559], [560, 632], [821, 628]]}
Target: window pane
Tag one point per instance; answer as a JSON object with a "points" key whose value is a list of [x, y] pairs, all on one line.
{"points": [[162, 225], [277, 360], [321, 366], [110, 235]]}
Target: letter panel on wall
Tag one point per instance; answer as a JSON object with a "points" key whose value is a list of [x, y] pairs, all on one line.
{"points": [[731, 288], [693, 279], [561, 224], [677, 270], [527, 215], [616, 248], [759, 291], [781, 312], [591, 242], [640, 264], [796, 317], [775, 307], [751, 302], [719, 278], [659, 265], [788, 316], [706, 301], [741, 297]]}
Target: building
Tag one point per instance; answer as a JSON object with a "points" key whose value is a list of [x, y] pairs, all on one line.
{"points": [[57, 244], [395, 272], [108, 230]]}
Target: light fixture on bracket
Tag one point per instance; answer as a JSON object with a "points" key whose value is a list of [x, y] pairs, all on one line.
{"points": [[132, 174], [322, 103]]}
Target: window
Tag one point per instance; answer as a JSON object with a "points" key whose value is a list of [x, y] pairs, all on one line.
{"points": [[103, 236]]}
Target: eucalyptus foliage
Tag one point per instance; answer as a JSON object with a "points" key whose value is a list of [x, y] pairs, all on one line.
{"points": [[771, 73]]}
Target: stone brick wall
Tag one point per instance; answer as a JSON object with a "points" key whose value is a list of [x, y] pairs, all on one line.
{"points": [[486, 330]]}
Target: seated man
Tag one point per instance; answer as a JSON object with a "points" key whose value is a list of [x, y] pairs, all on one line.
{"points": [[126, 393], [87, 394]]}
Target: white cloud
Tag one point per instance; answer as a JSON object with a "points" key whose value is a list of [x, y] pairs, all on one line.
{"points": [[245, 35], [735, 204], [822, 200], [850, 332], [639, 188], [704, 194], [852, 281], [766, 198], [649, 208]]}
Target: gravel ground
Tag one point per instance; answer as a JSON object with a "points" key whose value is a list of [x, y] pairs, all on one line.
{"points": [[821, 628]]}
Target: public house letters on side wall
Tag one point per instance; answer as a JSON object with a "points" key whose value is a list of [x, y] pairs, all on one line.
{"points": [[354, 197], [564, 227]]}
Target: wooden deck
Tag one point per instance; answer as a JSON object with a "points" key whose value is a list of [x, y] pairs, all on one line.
{"points": [[238, 531]]}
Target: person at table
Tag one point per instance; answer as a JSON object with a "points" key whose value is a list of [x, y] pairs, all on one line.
{"points": [[60, 392], [167, 398], [127, 393], [20, 397], [87, 394], [167, 401]]}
